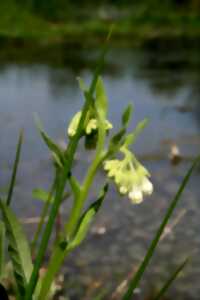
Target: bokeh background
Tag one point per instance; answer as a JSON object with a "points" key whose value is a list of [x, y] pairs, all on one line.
{"points": [[153, 63]]}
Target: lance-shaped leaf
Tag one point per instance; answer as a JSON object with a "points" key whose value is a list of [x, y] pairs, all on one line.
{"points": [[42, 195], [18, 248], [117, 140], [87, 218], [101, 98], [65, 247], [15, 167], [82, 84], [57, 152], [126, 116], [130, 138]]}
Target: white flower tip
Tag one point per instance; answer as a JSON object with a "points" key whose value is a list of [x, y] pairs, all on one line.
{"points": [[136, 196], [147, 187], [123, 190]]}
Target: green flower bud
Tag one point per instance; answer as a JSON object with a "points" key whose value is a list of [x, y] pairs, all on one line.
{"points": [[90, 124], [74, 124]]}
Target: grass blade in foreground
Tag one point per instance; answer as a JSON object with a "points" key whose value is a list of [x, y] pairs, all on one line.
{"points": [[15, 167], [18, 248], [169, 282], [137, 277]]}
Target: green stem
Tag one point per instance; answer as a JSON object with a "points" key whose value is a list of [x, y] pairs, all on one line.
{"points": [[53, 268], [60, 253], [55, 207], [79, 202], [15, 167], [70, 152]]}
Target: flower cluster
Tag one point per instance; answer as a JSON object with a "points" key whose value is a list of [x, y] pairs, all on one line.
{"points": [[90, 124], [130, 177]]}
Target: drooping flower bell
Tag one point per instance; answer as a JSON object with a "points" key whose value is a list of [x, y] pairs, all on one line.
{"points": [[130, 176]]}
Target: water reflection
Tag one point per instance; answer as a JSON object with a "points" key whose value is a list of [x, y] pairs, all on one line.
{"points": [[162, 81]]}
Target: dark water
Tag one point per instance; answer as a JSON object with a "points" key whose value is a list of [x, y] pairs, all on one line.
{"points": [[162, 82]]}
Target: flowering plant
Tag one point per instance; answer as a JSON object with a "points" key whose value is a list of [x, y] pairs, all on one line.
{"points": [[129, 175]]}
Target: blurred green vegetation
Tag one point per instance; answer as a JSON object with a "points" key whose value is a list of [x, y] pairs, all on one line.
{"points": [[58, 19]]}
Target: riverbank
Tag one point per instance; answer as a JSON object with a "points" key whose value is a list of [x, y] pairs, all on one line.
{"points": [[87, 26]]}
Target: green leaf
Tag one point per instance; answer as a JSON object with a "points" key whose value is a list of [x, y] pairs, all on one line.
{"points": [[130, 138], [42, 195], [57, 152], [65, 247], [101, 98], [116, 142], [82, 84], [2, 249], [53, 147], [15, 167], [18, 248], [87, 218], [137, 277], [127, 115], [169, 282]]}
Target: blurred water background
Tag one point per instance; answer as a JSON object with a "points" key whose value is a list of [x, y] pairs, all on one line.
{"points": [[161, 78]]}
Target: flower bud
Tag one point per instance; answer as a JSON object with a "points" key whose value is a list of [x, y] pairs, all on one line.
{"points": [[147, 186], [123, 190], [136, 196]]}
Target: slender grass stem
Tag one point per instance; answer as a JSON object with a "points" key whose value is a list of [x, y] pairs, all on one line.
{"points": [[15, 167], [169, 282], [137, 277]]}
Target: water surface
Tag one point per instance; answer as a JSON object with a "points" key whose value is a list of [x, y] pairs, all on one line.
{"points": [[162, 82]]}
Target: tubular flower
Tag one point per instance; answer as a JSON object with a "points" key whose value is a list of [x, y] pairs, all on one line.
{"points": [[130, 177], [90, 124]]}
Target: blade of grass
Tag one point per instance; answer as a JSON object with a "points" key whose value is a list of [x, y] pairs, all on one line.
{"points": [[137, 277], [70, 152], [18, 248], [169, 282], [15, 167]]}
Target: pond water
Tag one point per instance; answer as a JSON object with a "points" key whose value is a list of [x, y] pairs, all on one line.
{"points": [[162, 81]]}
